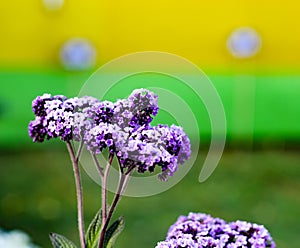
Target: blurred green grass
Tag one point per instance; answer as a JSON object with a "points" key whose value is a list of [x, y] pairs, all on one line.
{"points": [[37, 195]]}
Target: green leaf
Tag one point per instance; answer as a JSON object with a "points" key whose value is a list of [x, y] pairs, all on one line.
{"points": [[93, 232], [59, 241], [113, 231]]}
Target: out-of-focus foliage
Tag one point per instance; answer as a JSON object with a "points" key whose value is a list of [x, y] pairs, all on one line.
{"points": [[37, 195]]}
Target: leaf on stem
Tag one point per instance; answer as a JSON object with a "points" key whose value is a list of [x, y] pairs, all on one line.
{"points": [[59, 241], [113, 231], [93, 232]]}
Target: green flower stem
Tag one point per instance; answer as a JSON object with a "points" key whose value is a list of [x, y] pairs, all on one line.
{"points": [[76, 170], [123, 179]]}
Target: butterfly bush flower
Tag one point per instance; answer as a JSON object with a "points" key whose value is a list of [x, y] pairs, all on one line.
{"points": [[203, 231]]}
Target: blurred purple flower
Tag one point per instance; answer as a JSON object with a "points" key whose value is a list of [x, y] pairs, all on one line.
{"points": [[203, 231]]}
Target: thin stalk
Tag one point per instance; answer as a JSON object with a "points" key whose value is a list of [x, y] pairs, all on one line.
{"points": [[104, 186], [76, 170], [127, 176], [99, 168], [122, 183], [79, 151]]}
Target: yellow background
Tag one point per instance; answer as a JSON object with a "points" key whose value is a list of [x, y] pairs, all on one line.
{"points": [[197, 30]]}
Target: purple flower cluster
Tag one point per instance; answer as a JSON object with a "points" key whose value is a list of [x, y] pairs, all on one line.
{"points": [[111, 120], [199, 230], [56, 116], [101, 112], [137, 110], [122, 127], [100, 137], [147, 147]]}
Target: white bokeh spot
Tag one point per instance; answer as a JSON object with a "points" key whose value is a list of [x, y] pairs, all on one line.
{"points": [[244, 42], [53, 4], [78, 54]]}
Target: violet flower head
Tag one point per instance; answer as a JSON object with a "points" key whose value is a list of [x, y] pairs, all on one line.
{"points": [[176, 141], [134, 149], [100, 137], [37, 130], [137, 110], [57, 116], [38, 104], [101, 112], [148, 147], [52, 118], [83, 104], [81, 119], [203, 231]]}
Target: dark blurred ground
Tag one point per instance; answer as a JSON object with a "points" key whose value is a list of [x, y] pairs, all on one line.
{"points": [[37, 195]]}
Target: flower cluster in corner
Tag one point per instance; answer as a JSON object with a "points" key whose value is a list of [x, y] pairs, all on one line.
{"points": [[199, 230], [123, 127]]}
